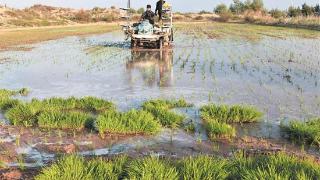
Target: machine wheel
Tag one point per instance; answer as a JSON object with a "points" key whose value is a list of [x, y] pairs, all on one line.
{"points": [[171, 36], [160, 43], [133, 43]]}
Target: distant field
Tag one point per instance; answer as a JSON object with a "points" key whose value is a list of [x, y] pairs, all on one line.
{"points": [[13, 37]]}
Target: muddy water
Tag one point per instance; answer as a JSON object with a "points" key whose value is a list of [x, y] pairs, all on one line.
{"points": [[278, 75]]}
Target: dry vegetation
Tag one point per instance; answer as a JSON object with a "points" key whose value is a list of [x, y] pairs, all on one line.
{"points": [[40, 15]]}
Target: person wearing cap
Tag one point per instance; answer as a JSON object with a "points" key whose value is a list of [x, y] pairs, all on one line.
{"points": [[159, 8], [148, 15]]}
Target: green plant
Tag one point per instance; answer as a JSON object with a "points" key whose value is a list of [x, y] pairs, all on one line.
{"points": [[151, 168], [219, 130], [161, 111], [22, 115], [230, 114], [203, 167], [218, 117], [304, 132], [64, 120], [278, 166], [132, 122]]}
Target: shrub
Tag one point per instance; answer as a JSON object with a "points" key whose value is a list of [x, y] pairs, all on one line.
{"points": [[132, 122], [82, 16], [64, 120], [276, 13], [221, 8], [203, 167], [304, 132], [151, 168]]}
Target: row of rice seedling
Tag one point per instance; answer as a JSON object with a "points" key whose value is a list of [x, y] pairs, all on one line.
{"points": [[217, 118], [92, 113], [161, 111], [132, 122], [278, 166], [304, 132]]}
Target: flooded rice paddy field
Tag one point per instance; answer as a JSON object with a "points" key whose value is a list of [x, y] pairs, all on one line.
{"points": [[275, 69]]}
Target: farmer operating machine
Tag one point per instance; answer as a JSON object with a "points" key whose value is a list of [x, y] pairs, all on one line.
{"points": [[146, 35]]}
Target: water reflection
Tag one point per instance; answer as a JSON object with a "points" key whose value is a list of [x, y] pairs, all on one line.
{"points": [[154, 68]]}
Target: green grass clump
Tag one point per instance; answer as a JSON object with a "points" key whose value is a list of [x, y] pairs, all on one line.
{"points": [[151, 168], [22, 115], [230, 114], [304, 132], [64, 120], [219, 130], [161, 110], [132, 122], [203, 168], [278, 166], [217, 119], [74, 167]]}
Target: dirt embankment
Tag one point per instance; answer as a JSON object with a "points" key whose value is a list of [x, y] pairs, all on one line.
{"points": [[40, 15]]}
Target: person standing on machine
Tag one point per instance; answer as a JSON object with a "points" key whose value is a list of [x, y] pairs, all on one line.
{"points": [[159, 8]]}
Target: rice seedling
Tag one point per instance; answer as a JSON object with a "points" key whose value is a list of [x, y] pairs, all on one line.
{"points": [[278, 166], [22, 115], [151, 168], [74, 167], [132, 122], [216, 130], [304, 132], [161, 111], [230, 114], [64, 120], [217, 119], [203, 167]]}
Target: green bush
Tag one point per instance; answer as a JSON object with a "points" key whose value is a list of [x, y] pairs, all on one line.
{"points": [[64, 120], [151, 168], [132, 122], [304, 132], [203, 168], [221, 8]]}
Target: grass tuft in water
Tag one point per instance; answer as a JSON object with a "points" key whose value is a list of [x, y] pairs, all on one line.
{"points": [[151, 168], [22, 115], [304, 132], [217, 119], [132, 122], [161, 111], [230, 114]]}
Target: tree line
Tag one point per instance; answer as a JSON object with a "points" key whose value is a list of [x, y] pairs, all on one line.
{"points": [[240, 7]]}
